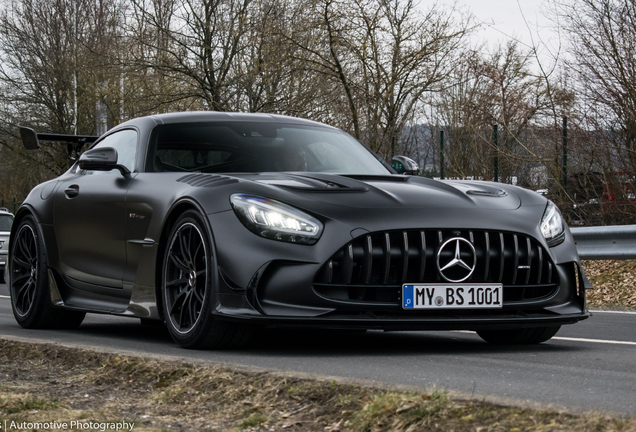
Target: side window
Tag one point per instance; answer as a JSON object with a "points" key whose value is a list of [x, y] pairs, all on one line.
{"points": [[125, 142]]}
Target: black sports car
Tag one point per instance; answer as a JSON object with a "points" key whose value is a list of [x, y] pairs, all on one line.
{"points": [[216, 223]]}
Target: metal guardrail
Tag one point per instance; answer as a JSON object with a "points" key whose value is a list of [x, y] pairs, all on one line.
{"points": [[606, 242]]}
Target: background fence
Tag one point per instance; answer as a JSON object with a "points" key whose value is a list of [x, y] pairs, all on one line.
{"points": [[606, 242]]}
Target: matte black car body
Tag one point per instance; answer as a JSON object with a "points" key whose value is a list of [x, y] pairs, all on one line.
{"points": [[113, 234]]}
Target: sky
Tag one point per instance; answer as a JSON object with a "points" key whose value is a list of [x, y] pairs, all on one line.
{"points": [[503, 19]]}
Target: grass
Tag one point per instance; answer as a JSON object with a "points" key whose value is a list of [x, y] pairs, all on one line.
{"points": [[253, 421], [31, 403], [399, 411]]}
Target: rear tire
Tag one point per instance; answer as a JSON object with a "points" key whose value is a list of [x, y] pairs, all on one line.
{"points": [[522, 336], [29, 283], [189, 277]]}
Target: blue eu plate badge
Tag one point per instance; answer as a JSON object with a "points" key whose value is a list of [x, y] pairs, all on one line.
{"points": [[407, 296]]}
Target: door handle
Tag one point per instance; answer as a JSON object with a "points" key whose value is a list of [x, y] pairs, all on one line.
{"points": [[72, 191]]}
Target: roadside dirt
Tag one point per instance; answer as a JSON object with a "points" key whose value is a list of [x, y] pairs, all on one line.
{"points": [[46, 383], [614, 284]]}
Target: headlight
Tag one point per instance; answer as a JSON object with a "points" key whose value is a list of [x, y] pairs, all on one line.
{"points": [[275, 220], [552, 226]]}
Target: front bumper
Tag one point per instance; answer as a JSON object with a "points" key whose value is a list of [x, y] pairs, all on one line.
{"points": [[388, 322], [271, 283]]}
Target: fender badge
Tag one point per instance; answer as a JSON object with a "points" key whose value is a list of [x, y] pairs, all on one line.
{"points": [[136, 216]]}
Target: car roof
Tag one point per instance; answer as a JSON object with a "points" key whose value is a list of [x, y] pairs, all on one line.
{"points": [[206, 116], [5, 211]]}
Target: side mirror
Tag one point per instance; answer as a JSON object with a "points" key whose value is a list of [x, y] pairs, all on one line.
{"points": [[101, 159], [405, 165]]}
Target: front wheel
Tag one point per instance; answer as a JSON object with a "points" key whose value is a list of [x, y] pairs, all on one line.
{"points": [[188, 287], [29, 284], [523, 336]]}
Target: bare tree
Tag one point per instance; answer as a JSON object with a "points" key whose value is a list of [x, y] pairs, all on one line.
{"points": [[195, 41], [487, 89], [602, 44], [382, 55], [52, 62]]}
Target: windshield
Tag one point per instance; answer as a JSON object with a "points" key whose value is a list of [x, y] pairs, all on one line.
{"points": [[258, 147], [5, 222]]}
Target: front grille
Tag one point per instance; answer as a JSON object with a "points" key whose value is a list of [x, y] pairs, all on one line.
{"points": [[372, 268]]}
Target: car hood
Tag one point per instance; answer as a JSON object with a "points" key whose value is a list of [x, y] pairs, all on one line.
{"points": [[391, 191]]}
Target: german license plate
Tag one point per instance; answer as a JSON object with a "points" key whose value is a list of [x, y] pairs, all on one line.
{"points": [[452, 296]]}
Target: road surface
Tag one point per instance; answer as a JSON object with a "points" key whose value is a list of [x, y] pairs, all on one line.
{"points": [[589, 365]]}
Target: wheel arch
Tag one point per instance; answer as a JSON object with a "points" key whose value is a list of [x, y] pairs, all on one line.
{"points": [[177, 209], [24, 211]]}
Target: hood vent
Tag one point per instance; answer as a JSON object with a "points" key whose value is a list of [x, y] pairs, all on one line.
{"points": [[494, 194], [395, 178], [206, 180], [313, 182]]}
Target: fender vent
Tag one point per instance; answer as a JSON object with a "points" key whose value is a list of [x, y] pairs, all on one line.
{"points": [[206, 180]]}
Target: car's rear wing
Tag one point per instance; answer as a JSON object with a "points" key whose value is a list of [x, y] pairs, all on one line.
{"points": [[74, 143], [31, 139]]}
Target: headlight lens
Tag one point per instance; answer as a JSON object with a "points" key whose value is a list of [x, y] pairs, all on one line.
{"points": [[275, 220], [552, 226]]}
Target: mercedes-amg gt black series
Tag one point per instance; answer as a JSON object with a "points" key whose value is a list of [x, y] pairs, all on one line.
{"points": [[217, 223]]}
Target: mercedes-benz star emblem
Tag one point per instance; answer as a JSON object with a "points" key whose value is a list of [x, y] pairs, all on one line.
{"points": [[456, 259]]}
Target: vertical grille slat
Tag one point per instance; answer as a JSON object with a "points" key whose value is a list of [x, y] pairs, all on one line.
{"points": [[529, 260], [329, 272], [372, 268], [422, 255], [487, 257], [502, 257], [368, 260], [405, 256], [516, 259], [387, 257], [348, 263]]}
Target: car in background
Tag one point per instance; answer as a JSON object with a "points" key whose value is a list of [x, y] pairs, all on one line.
{"points": [[6, 221]]}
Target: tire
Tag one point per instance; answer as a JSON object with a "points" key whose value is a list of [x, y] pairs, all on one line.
{"points": [[188, 285], [29, 283], [523, 336]]}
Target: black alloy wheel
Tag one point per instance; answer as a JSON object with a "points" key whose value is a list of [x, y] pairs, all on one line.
{"points": [[186, 277], [24, 277], [188, 289], [29, 284]]}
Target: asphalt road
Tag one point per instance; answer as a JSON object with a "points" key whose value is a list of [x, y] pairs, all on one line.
{"points": [[590, 365]]}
